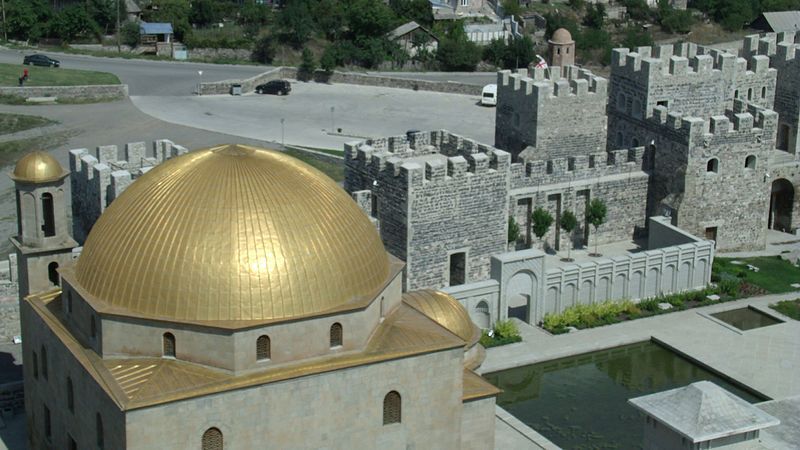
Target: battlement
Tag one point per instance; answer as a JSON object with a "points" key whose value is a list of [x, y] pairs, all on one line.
{"points": [[683, 60], [743, 118], [416, 144], [595, 165], [553, 82], [782, 45]]}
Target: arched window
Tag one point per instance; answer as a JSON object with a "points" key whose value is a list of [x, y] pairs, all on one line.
{"points": [[93, 327], [48, 215], [634, 142], [712, 165], [48, 428], [750, 162], [69, 302], [391, 408], [736, 93], [70, 396], [44, 362], [750, 94], [263, 350], [558, 51], [99, 431], [764, 92], [52, 273], [212, 439], [336, 335], [169, 345]]}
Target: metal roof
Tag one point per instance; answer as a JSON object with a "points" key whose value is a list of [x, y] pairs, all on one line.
{"points": [[155, 28], [783, 21]]}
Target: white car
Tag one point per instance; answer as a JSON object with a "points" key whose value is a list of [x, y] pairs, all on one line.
{"points": [[489, 95]]}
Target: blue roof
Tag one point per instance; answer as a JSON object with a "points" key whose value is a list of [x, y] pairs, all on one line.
{"points": [[155, 28]]}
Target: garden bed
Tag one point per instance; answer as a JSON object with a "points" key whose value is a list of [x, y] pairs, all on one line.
{"points": [[789, 308]]}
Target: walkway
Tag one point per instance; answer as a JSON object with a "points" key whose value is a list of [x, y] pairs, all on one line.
{"points": [[765, 359]]}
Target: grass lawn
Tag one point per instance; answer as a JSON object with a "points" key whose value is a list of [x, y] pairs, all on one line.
{"points": [[50, 76], [775, 275], [335, 171], [12, 123], [11, 151], [789, 308]]}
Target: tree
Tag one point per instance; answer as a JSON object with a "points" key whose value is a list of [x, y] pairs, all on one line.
{"points": [[264, 49], [327, 61], [595, 16], [26, 19], [542, 220], [130, 34], [204, 12], [568, 224], [296, 23], [636, 37], [175, 12], [104, 13], [455, 51], [71, 22], [419, 11], [511, 8], [596, 215], [307, 64], [513, 230]]}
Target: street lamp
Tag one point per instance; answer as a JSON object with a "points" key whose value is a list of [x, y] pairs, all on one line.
{"points": [[200, 84]]}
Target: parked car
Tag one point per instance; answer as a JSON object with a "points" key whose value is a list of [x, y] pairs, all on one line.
{"points": [[278, 87], [41, 60], [489, 95]]}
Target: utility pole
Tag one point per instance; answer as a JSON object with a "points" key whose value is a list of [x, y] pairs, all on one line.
{"points": [[119, 44], [5, 31]]}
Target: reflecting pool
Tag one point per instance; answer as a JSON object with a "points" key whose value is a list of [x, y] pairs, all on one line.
{"points": [[581, 401], [746, 318]]}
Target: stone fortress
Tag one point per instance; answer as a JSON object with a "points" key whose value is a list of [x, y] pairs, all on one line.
{"points": [[693, 150]]}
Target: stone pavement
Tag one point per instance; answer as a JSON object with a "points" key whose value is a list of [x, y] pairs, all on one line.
{"points": [[765, 359]]}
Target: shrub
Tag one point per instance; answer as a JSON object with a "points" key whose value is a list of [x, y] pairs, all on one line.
{"points": [[129, 35], [730, 287], [264, 51], [505, 332], [513, 230], [506, 328]]}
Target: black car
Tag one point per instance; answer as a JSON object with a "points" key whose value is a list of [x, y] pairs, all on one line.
{"points": [[278, 87], [41, 60]]}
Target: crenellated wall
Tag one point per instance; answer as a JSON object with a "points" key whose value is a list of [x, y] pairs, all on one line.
{"points": [[97, 179], [559, 112]]}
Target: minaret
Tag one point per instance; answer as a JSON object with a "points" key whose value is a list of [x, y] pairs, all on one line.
{"points": [[562, 48], [43, 241]]}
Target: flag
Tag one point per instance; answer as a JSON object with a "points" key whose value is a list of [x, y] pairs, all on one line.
{"points": [[542, 64]]}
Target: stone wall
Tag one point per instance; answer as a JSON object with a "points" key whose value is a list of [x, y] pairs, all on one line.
{"points": [[227, 53], [559, 112], [524, 276], [9, 315], [249, 84], [105, 92], [98, 177]]}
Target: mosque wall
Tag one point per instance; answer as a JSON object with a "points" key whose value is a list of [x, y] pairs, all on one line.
{"points": [[48, 388], [478, 424], [341, 409]]}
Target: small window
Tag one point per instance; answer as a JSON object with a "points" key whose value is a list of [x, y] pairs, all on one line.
{"points": [[458, 268], [549, 168], [621, 102], [516, 119], [591, 161], [391, 408], [566, 49], [570, 164], [736, 94], [169, 345], [750, 162], [69, 302], [712, 165], [336, 335], [48, 429], [44, 362], [764, 92], [70, 396], [35, 360], [212, 439], [263, 348], [750, 94], [634, 142], [664, 103], [99, 431], [93, 327], [558, 51], [620, 139], [52, 273]]}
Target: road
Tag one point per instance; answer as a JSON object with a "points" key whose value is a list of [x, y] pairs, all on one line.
{"points": [[174, 78]]}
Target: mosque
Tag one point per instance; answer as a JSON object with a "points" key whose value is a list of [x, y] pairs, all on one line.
{"points": [[235, 298]]}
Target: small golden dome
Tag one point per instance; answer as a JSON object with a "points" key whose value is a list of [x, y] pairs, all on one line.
{"points": [[38, 167], [561, 36], [232, 233], [444, 310]]}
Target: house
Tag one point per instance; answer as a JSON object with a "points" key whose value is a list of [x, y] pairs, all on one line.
{"points": [[156, 37], [413, 38], [482, 34], [133, 11], [778, 21]]}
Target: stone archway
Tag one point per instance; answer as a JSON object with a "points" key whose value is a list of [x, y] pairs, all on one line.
{"points": [[780, 205], [520, 290]]}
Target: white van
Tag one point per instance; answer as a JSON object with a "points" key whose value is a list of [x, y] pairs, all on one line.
{"points": [[489, 95]]}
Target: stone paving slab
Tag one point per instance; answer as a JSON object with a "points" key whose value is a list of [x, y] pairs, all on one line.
{"points": [[765, 359]]}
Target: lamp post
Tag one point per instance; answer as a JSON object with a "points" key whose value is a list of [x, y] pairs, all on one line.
{"points": [[333, 130], [200, 82], [119, 42], [282, 121]]}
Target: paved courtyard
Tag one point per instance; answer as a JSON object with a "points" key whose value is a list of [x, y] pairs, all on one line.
{"points": [[360, 111]]}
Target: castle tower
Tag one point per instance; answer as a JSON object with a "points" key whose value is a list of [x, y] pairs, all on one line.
{"points": [[562, 48], [43, 241]]}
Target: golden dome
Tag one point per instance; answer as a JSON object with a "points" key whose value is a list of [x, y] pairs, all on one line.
{"points": [[232, 233], [38, 167], [444, 310], [561, 36]]}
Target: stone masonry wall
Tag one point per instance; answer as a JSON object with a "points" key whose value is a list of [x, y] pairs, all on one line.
{"points": [[97, 179], [560, 112], [115, 91]]}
